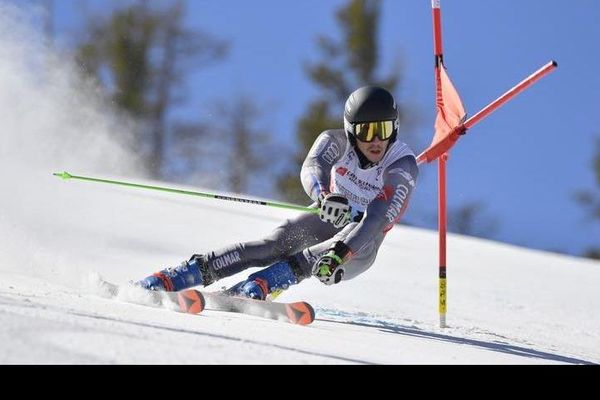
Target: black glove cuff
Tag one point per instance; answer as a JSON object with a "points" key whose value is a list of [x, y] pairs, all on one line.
{"points": [[321, 197], [337, 198], [341, 250]]}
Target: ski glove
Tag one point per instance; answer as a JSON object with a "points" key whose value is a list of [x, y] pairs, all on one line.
{"points": [[328, 269], [334, 209]]}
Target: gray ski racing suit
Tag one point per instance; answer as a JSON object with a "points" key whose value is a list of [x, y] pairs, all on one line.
{"points": [[378, 195]]}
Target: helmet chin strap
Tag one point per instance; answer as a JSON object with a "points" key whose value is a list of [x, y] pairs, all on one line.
{"points": [[363, 160]]}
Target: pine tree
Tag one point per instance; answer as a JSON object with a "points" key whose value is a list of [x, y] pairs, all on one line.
{"points": [[346, 65], [590, 199], [139, 54]]}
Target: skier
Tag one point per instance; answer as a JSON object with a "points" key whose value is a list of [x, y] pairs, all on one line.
{"points": [[361, 178]]}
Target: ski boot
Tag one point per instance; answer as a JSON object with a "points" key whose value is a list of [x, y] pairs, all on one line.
{"points": [[193, 272], [276, 278]]}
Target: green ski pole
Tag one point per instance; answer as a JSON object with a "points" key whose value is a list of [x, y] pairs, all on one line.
{"points": [[67, 176]]}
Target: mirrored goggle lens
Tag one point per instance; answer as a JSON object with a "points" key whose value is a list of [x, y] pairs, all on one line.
{"points": [[367, 131]]}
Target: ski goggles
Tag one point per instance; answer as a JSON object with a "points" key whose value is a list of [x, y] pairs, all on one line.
{"points": [[368, 131]]}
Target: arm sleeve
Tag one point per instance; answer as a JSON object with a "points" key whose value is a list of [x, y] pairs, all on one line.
{"points": [[316, 170], [388, 207]]}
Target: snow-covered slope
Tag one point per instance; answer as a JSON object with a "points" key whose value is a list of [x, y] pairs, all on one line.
{"points": [[506, 304]]}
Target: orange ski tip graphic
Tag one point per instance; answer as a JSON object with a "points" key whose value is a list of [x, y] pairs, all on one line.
{"points": [[300, 313], [191, 302]]}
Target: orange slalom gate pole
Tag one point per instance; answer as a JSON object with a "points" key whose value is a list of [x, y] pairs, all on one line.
{"points": [[439, 150], [442, 215], [518, 88], [442, 227]]}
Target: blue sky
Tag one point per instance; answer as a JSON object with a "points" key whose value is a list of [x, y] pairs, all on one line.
{"points": [[524, 162]]}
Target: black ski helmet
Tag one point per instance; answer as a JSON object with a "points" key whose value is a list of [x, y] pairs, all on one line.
{"points": [[369, 104]]}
